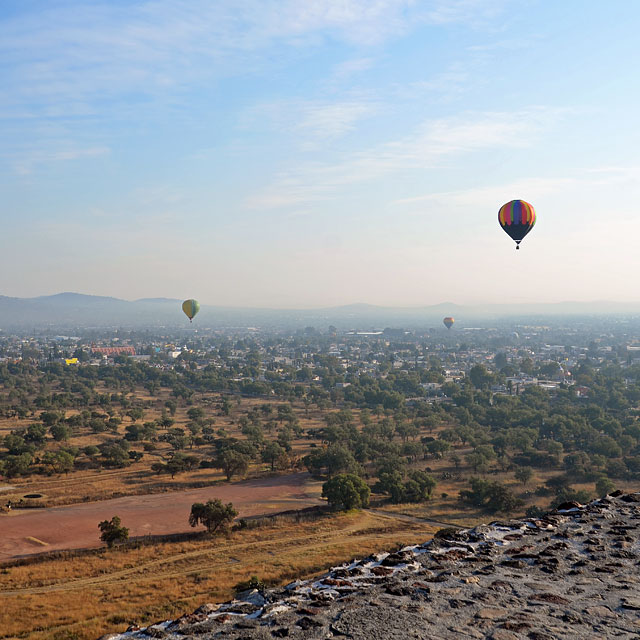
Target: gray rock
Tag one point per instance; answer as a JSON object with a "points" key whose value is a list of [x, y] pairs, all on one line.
{"points": [[366, 623]]}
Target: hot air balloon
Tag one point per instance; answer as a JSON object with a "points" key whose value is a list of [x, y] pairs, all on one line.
{"points": [[448, 322], [190, 308], [517, 219]]}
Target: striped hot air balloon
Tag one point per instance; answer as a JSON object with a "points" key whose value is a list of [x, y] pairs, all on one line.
{"points": [[517, 219], [190, 308], [448, 322]]}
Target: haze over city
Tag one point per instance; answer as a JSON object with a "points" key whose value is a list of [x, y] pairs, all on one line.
{"points": [[295, 154]]}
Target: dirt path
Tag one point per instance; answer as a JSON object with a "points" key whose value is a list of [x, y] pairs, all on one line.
{"points": [[413, 519], [28, 532]]}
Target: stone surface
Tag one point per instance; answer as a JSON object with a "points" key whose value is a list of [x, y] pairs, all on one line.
{"points": [[571, 574]]}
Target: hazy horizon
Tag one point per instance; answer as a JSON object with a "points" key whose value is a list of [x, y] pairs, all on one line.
{"points": [[444, 304], [285, 154]]}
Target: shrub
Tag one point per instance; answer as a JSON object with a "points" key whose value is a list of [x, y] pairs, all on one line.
{"points": [[253, 583]]}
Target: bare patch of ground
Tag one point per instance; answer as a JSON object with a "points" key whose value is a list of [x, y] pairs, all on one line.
{"points": [[76, 526]]}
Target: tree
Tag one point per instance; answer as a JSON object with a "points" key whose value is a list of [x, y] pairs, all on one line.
{"points": [[523, 474], [271, 453], [437, 448], [58, 462], [50, 418], [604, 486], [60, 432], [135, 413], [36, 434], [284, 438], [91, 451], [178, 463], [115, 454], [391, 482], [172, 405], [16, 465], [491, 495], [346, 491], [480, 377], [500, 360], [419, 486], [214, 515], [113, 532], [233, 463], [336, 459], [195, 413], [478, 462]]}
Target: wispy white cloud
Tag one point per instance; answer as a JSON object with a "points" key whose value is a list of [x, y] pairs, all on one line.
{"points": [[84, 51], [489, 195], [93, 64], [472, 11], [332, 120], [348, 68], [429, 146], [311, 124], [26, 162], [577, 180]]}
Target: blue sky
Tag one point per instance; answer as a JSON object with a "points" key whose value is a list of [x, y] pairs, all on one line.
{"points": [[298, 153]]}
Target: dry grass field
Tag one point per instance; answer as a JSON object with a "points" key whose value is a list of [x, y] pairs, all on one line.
{"points": [[448, 509], [83, 596]]}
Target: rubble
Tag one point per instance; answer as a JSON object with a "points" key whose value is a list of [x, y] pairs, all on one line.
{"points": [[571, 574]]}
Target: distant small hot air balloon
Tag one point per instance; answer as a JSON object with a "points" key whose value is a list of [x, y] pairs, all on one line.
{"points": [[448, 322], [190, 308], [517, 219]]}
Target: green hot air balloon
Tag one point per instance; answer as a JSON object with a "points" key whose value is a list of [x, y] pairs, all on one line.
{"points": [[190, 308]]}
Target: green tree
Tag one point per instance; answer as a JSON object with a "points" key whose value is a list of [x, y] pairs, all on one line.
{"points": [[480, 377], [16, 465], [391, 482], [178, 463], [135, 413], [346, 491], [112, 532], [36, 434], [271, 453], [195, 413], [58, 462], [49, 418], [60, 432], [604, 486], [437, 448], [419, 486], [214, 515], [172, 405], [115, 454], [492, 496], [523, 474], [500, 360], [233, 463]]}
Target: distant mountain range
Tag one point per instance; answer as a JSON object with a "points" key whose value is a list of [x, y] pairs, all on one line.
{"points": [[86, 311]]}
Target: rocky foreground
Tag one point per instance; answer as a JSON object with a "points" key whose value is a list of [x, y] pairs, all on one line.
{"points": [[574, 573]]}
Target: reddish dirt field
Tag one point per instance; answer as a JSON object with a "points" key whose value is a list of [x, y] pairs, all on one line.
{"points": [[31, 531]]}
